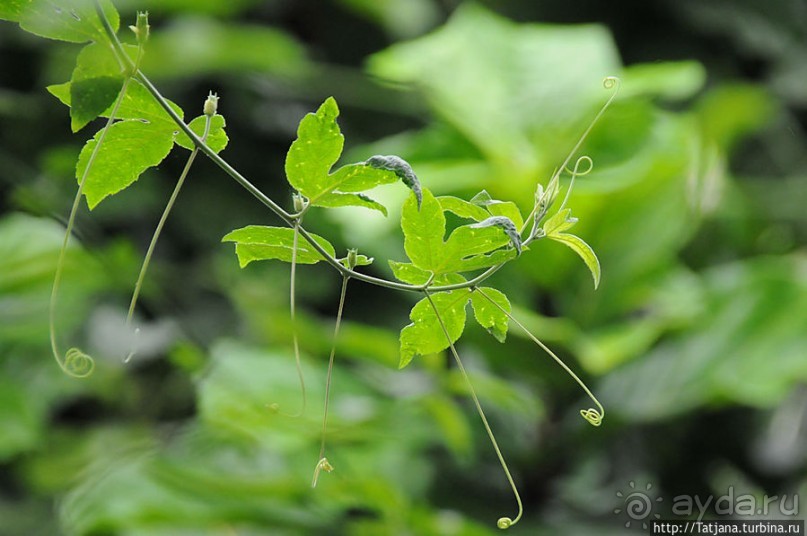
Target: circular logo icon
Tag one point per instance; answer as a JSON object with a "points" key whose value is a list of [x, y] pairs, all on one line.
{"points": [[637, 505]]}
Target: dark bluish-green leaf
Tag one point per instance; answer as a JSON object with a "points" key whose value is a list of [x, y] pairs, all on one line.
{"points": [[90, 97], [490, 315], [423, 230], [128, 149], [425, 335], [504, 223], [257, 243], [216, 137], [509, 210], [401, 168], [65, 20]]}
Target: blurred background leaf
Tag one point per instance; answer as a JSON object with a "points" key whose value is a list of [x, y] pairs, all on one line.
{"points": [[695, 340]]}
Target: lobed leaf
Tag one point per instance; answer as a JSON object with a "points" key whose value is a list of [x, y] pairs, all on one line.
{"points": [[579, 246], [409, 273], [423, 230], [488, 315], [90, 97], [425, 335], [128, 149], [479, 262], [258, 243], [317, 148], [509, 210], [559, 222]]}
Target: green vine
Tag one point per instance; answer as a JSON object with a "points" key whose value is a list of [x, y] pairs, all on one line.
{"points": [[447, 270]]}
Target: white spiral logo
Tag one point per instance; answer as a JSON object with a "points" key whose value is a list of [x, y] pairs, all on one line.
{"points": [[637, 504]]}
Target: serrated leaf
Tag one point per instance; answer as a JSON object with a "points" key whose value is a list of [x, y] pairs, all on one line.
{"points": [[258, 242], [579, 246], [423, 230], [488, 315], [216, 138], [559, 222], [402, 170], [128, 149], [504, 223], [316, 149], [74, 21], [336, 199], [463, 208], [425, 335], [90, 97]]}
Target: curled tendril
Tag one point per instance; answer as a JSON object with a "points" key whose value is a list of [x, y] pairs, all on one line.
{"points": [[77, 364], [322, 465], [611, 82], [593, 416], [502, 522], [576, 172]]}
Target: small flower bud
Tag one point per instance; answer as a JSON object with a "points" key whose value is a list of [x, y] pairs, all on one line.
{"points": [[352, 258], [141, 27], [299, 203], [211, 104]]}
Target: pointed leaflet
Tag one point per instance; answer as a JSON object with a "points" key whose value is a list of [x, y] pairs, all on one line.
{"points": [[258, 243], [310, 158], [562, 221], [579, 246], [423, 230], [487, 314], [425, 335]]}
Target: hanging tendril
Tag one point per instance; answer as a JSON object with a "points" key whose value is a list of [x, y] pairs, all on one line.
{"points": [[502, 522], [156, 236], [323, 464], [591, 415]]}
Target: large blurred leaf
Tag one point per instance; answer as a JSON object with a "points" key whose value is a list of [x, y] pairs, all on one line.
{"points": [[746, 347]]}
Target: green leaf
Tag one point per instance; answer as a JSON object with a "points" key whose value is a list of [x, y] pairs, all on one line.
{"points": [[66, 20], [425, 335], [488, 315], [463, 208], [579, 246], [216, 137], [409, 273], [128, 149], [257, 243], [90, 97], [479, 262], [333, 200], [559, 222], [467, 242], [316, 149], [423, 231], [137, 103], [357, 178], [12, 10]]}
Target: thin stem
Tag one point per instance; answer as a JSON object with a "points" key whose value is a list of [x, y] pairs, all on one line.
{"points": [[76, 363], [593, 416], [322, 463], [503, 522], [155, 237], [293, 311]]}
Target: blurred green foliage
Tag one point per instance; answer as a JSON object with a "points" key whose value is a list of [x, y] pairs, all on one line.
{"points": [[695, 339]]}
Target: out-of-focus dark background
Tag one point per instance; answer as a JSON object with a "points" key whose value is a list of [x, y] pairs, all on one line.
{"points": [[696, 340]]}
